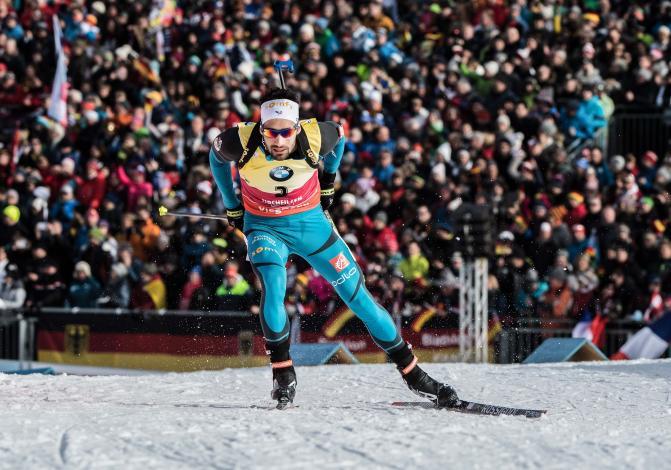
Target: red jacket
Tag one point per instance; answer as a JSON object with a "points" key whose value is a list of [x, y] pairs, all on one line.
{"points": [[90, 192], [133, 190], [576, 215]]}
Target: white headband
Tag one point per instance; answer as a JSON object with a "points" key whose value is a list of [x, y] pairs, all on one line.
{"points": [[279, 109]]}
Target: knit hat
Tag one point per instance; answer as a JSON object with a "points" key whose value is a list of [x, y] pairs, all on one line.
{"points": [[12, 212], [348, 198], [647, 201], [651, 157], [575, 196], [381, 216], [617, 163], [302, 279], [84, 267], [220, 243]]}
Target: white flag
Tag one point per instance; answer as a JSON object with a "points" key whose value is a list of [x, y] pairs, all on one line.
{"points": [[58, 108]]}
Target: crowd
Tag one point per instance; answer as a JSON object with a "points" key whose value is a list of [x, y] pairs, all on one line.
{"points": [[488, 101]]}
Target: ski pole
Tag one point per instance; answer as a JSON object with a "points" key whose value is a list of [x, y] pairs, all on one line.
{"points": [[163, 211], [281, 66]]}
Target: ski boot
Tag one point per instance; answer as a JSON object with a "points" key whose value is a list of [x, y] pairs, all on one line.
{"points": [[284, 384], [284, 375], [421, 383]]}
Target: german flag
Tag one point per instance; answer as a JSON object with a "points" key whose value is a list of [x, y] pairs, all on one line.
{"points": [[337, 321], [221, 70], [154, 342], [143, 68], [422, 318]]}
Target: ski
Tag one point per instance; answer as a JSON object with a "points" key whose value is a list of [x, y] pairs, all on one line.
{"points": [[476, 408]]}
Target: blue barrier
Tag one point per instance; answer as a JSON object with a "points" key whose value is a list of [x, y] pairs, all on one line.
{"points": [[565, 350], [317, 354]]}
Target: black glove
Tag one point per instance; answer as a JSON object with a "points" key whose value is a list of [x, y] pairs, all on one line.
{"points": [[235, 216], [327, 182]]}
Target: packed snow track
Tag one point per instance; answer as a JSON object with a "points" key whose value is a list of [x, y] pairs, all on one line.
{"points": [[600, 415]]}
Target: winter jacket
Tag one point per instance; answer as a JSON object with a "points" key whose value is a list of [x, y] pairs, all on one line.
{"points": [[84, 294], [414, 267], [12, 295]]}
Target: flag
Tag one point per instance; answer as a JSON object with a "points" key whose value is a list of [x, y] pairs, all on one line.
{"points": [[16, 146], [58, 108], [143, 67], [648, 343], [162, 13], [592, 329]]}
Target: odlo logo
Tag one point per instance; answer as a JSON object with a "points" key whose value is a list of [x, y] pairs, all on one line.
{"points": [[281, 173], [344, 277]]}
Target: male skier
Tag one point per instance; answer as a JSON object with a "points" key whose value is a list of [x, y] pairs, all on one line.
{"points": [[284, 196]]}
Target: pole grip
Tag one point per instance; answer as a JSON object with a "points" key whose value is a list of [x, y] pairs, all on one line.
{"points": [[281, 66]]}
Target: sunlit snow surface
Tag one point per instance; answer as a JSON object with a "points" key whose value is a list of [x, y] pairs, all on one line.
{"points": [[600, 415]]}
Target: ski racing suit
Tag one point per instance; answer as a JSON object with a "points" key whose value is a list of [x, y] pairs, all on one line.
{"points": [[283, 215]]}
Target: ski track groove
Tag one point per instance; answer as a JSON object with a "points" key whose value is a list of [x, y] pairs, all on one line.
{"points": [[63, 445]]}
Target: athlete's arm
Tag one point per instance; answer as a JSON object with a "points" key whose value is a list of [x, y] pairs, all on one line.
{"points": [[332, 147], [226, 148], [333, 144]]}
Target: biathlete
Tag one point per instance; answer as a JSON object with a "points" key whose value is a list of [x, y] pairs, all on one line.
{"points": [[284, 196]]}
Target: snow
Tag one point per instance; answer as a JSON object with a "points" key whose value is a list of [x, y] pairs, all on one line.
{"points": [[601, 415]]}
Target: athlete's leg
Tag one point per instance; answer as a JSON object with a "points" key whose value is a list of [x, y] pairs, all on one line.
{"points": [[268, 257], [333, 259]]}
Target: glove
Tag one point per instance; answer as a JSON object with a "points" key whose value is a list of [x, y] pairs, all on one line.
{"points": [[235, 216], [327, 183]]}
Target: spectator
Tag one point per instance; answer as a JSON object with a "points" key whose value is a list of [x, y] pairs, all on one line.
{"points": [[135, 185], [11, 225], [193, 284], [12, 292], [381, 236], [64, 209], [84, 291], [4, 263], [234, 292], [583, 282], [415, 266], [557, 301], [116, 294], [91, 189], [150, 294]]}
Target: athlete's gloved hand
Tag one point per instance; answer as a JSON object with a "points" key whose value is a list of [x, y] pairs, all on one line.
{"points": [[327, 183], [235, 216]]}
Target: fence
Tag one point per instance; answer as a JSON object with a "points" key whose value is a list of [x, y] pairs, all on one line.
{"points": [[77, 330], [516, 344], [637, 131], [17, 338]]}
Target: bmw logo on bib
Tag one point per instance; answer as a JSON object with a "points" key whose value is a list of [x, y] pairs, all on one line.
{"points": [[281, 173]]}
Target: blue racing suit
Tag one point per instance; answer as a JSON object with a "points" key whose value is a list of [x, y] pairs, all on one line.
{"points": [[281, 220]]}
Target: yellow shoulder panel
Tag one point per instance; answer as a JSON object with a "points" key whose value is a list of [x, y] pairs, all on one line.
{"points": [[312, 132], [245, 131]]}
